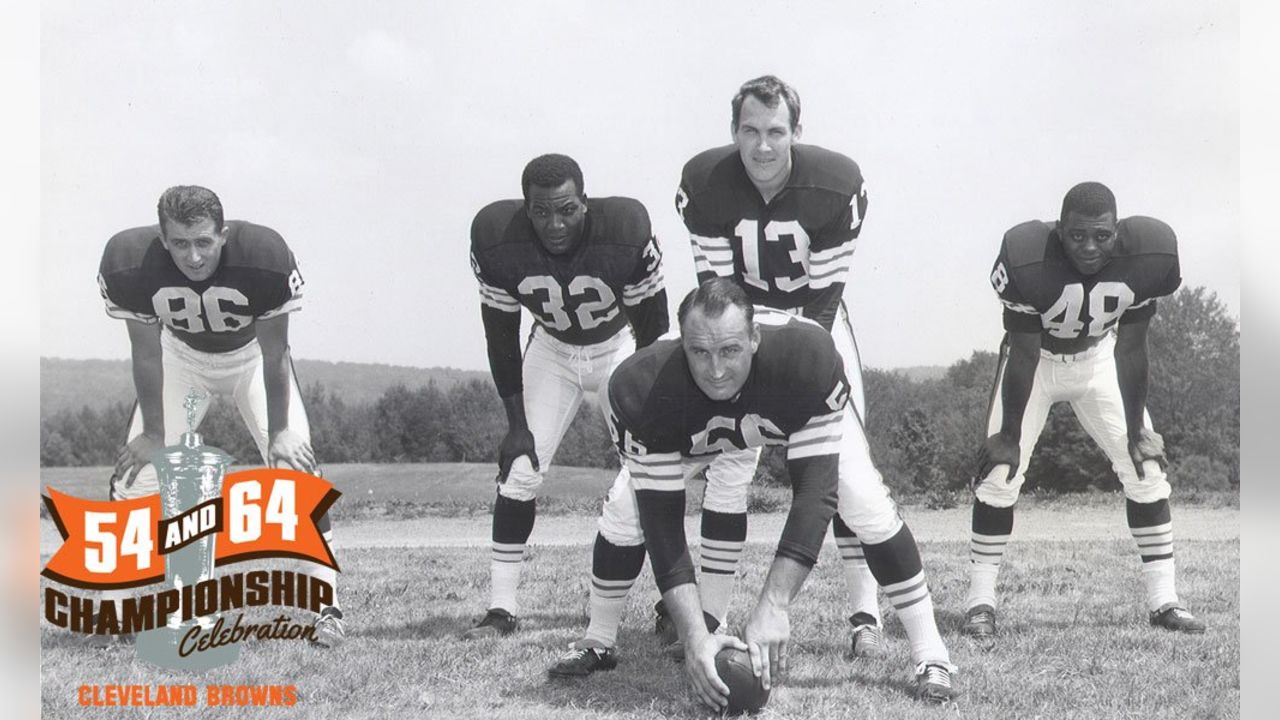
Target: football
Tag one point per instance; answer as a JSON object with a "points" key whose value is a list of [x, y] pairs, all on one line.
{"points": [[746, 693]]}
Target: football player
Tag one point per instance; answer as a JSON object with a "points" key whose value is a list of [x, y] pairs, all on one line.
{"points": [[207, 303], [781, 218], [740, 378], [1078, 297], [588, 270]]}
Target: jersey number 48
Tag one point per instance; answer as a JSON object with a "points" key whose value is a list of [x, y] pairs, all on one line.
{"points": [[1107, 302]]}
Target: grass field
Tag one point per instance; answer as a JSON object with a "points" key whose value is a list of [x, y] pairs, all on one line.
{"points": [[1074, 638]]}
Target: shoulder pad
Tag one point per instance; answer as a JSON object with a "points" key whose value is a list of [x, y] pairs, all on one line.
{"points": [[1025, 244], [620, 220], [490, 224], [1148, 236], [632, 383], [125, 249], [258, 247], [701, 168], [828, 170], [803, 348]]}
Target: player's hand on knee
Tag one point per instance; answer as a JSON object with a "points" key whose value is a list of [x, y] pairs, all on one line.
{"points": [[1148, 445], [700, 665], [517, 442], [135, 455], [767, 634], [291, 449], [999, 449]]}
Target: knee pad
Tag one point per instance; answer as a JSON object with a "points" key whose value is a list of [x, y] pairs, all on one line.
{"points": [[522, 481], [619, 522], [999, 491], [728, 481], [1153, 486], [867, 509], [146, 482]]}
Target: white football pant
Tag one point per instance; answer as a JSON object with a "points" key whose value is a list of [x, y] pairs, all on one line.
{"points": [[237, 374], [864, 501], [1088, 381], [556, 377]]}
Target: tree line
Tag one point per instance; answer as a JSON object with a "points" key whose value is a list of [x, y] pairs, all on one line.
{"points": [[923, 434]]}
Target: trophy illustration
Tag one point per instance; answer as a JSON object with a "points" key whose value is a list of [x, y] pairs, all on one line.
{"points": [[189, 473]]}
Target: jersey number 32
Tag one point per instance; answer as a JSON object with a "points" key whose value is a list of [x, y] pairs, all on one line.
{"points": [[590, 312]]}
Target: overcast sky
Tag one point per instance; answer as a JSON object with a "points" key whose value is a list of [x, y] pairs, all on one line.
{"points": [[369, 134]]}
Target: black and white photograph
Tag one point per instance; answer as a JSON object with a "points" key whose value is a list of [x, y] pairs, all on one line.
{"points": [[622, 360]]}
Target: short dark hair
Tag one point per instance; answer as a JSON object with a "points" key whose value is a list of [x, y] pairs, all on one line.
{"points": [[713, 297], [1090, 199], [769, 90], [187, 204], [549, 171]]}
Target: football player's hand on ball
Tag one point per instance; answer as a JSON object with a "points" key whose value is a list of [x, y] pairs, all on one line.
{"points": [[767, 633], [517, 442], [700, 665], [291, 449], [1148, 445], [136, 454], [999, 449]]}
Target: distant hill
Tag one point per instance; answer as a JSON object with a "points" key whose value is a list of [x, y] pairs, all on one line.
{"points": [[97, 383], [72, 384]]}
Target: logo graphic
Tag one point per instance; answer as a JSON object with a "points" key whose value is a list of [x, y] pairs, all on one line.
{"points": [[201, 519]]}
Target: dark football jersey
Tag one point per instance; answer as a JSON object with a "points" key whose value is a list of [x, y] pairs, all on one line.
{"points": [[584, 297], [789, 252], [796, 376], [257, 278], [1043, 292], [795, 395]]}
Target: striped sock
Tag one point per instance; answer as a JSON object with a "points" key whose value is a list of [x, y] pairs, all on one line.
{"points": [[862, 585], [614, 569], [723, 537], [512, 525], [914, 605], [1152, 527], [896, 565], [990, 531], [324, 573]]}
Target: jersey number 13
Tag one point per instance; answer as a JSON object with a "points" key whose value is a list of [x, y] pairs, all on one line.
{"points": [[779, 232]]}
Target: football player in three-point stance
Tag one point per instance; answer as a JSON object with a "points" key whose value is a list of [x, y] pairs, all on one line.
{"points": [[207, 305], [585, 269], [737, 379], [781, 219], [1078, 298]]}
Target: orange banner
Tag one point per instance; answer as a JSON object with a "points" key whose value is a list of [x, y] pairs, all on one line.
{"points": [[272, 512], [105, 544], [262, 513]]}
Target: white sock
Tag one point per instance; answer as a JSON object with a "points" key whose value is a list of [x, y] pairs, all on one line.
{"points": [[504, 572], [1158, 577], [719, 563], [914, 606], [986, 552], [608, 600], [857, 576]]}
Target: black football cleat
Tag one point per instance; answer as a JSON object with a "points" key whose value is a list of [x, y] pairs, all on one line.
{"points": [[868, 638], [1172, 616], [496, 623], [980, 622], [933, 683], [581, 662], [329, 630]]}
